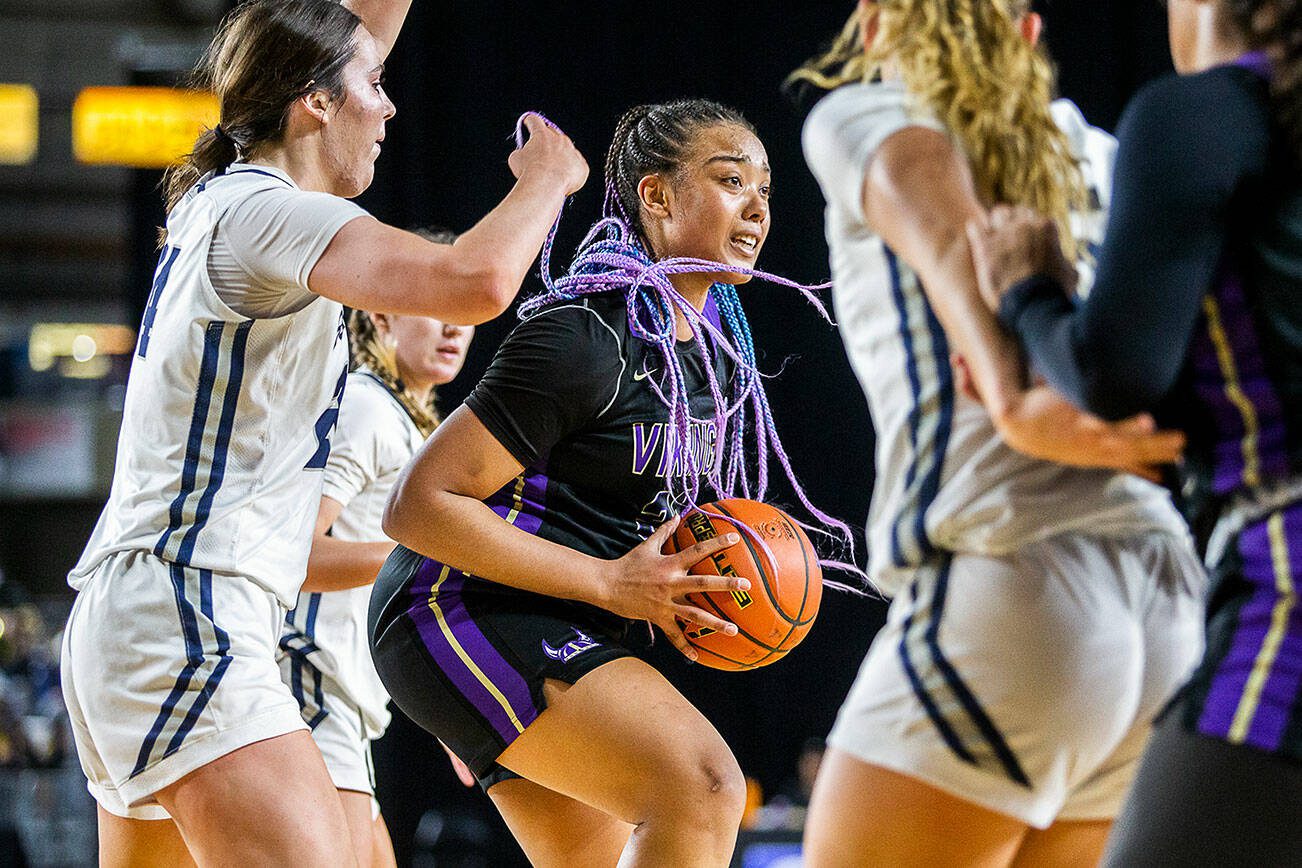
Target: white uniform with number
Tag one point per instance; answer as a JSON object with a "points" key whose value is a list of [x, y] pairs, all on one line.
{"points": [[325, 656], [169, 656], [1070, 598]]}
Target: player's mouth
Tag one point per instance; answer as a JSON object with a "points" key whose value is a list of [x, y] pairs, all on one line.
{"points": [[449, 353], [747, 243]]}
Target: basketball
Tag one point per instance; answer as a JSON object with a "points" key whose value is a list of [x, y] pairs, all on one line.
{"points": [[786, 583]]}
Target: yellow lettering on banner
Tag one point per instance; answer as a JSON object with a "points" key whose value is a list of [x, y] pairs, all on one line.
{"points": [[20, 123], [142, 127]]}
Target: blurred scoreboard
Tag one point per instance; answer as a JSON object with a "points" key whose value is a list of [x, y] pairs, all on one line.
{"points": [[142, 127]]}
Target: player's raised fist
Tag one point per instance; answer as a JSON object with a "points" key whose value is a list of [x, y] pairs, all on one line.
{"points": [[549, 152]]}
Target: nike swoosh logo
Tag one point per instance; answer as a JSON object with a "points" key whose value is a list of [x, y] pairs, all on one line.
{"points": [[642, 375]]}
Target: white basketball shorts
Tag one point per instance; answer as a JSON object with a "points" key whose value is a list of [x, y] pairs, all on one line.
{"points": [[337, 725], [165, 669], [1028, 684]]}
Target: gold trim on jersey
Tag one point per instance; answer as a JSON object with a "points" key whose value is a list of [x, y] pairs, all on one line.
{"points": [[1270, 645]]}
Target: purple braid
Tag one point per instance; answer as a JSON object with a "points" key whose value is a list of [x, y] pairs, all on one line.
{"points": [[613, 258]]}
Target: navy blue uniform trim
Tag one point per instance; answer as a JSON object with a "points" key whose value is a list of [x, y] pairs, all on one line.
{"points": [[195, 655], [209, 368], [947, 733], [977, 714], [929, 487], [300, 645]]}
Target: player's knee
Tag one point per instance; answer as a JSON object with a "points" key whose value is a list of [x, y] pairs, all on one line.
{"points": [[708, 791], [726, 785]]}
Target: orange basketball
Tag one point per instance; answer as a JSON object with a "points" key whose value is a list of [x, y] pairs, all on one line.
{"points": [[786, 583]]}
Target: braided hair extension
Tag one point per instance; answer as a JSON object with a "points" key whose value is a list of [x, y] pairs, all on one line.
{"points": [[1275, 26], [615, 257], [371, 351]]}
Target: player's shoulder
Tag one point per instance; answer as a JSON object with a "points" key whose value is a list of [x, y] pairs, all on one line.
{"points": [[592, 319], [858, 99], [1221, 97], [368, 400], [1221, 118], [364, 388], [847, 126], [241, 181]]}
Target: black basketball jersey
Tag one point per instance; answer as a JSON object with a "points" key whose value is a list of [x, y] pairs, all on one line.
{"points": [[569, 394]]}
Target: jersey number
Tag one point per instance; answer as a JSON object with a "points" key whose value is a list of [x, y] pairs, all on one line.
{"points": [[325, 425], [166, 257]]}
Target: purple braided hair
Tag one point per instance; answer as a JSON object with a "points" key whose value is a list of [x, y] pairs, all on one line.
{"points": [[612, 258]]}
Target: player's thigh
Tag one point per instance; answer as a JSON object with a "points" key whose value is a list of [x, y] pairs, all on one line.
{"points": [[339, 733], [358, 811], [911, 823], [555, 830], [1199, 800], [624, 741], [1065, 844], [261, 803], [125, 843], [381, 844]]}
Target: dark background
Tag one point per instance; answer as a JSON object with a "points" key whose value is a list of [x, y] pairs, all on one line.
{"points": [[460, 75]]}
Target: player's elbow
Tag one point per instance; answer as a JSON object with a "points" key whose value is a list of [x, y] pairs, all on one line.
{"points": [[486, 292], [394, 520]]}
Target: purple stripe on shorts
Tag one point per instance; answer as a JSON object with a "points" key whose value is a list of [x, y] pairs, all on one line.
{"points": [[476, 645], [1280, 690], [533, 499], [1253, 381]]}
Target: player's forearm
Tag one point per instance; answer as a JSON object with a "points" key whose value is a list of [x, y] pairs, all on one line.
{"points": [[465, 534], [383, 18], [992, 355], [336, 565]]}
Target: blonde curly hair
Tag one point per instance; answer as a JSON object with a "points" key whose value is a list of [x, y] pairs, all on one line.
{"points": [[968, 63]]}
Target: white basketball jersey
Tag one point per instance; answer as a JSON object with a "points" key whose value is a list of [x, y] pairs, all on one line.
{"points": [[945, 480], [227, 423], [373, 442]]}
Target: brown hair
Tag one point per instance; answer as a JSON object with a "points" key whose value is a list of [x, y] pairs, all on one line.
{"points": [[654, 138], [265, 55]]}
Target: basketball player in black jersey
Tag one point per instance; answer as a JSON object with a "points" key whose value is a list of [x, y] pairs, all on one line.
{"points": [[480, 623]]}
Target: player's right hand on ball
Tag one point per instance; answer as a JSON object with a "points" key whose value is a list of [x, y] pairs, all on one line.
{"points": [[648, 585], [549, 152]]}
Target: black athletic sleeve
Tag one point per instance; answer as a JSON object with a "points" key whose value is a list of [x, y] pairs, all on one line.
{"points": [[555, 372], [1186, 146]]}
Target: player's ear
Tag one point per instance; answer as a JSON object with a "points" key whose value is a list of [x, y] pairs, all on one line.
{"points": [[1032, 26], [655, 195], [317, 103], [382, 323], [868, 10]]}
